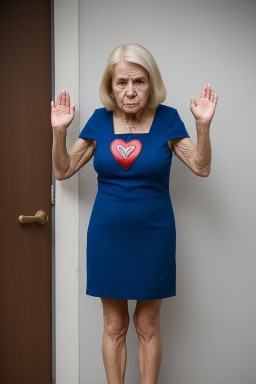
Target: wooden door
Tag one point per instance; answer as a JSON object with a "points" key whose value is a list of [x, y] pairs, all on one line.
{"points": [[25, 188]]}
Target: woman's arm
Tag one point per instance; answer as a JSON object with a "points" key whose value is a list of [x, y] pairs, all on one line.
{"points": [[65, 163], [198, 157]]}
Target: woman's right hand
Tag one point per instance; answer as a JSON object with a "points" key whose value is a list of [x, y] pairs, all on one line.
{"points": [[62, 113]]}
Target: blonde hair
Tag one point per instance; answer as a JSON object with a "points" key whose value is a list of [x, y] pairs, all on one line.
{"points": [[133, 53]]}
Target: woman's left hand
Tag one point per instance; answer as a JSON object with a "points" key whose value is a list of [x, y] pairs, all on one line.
{"points": [[205, 108]]}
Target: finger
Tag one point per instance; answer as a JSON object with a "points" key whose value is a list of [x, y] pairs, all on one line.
{"points": [[67, 100], [212, 96], [215, 99], [52, 104], [58, 100], [63, 98], [72, 110], [58, 97], [192, 102], [208, 91], [203, 93]]}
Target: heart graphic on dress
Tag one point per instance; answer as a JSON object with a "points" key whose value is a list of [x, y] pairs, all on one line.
{"points": [[125, 153]]}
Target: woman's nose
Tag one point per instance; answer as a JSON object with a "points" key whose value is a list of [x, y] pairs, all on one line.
{"points": [[130, 90]]}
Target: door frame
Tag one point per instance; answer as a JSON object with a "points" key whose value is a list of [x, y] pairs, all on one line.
{"points": [[65, 71]]}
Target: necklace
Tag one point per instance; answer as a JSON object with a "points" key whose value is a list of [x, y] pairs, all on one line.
{"points": [[128, 126]]}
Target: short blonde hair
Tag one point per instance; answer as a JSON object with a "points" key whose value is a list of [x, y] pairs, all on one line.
{"points": [[133, 53]]}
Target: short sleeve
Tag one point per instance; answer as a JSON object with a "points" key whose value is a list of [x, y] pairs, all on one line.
{"points": [[89, 130], [175, 127]]}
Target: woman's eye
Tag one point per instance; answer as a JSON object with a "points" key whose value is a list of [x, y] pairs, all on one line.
{"points": [[121, 83], [140, 82]]}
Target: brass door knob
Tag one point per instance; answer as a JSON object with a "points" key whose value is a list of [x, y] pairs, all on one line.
{"points": [[40, 218]]}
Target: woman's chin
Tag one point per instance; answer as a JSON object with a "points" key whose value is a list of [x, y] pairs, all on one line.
{"points": [[131, 108]]}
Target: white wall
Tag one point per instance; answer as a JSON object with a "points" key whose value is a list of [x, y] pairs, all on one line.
{"points": [[208, 329], [66, 202]]}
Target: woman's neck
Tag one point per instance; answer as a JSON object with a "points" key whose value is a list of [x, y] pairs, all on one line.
{"points": [[133, 118]]}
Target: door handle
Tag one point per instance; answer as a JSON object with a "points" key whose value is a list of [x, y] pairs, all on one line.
{"points": [[40, 218]]}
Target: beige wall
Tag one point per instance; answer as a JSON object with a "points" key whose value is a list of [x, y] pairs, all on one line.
{"points": [[208, 327], [66, 63]]}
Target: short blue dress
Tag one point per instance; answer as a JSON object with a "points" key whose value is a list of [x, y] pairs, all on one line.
{"points": [[131, 236]]}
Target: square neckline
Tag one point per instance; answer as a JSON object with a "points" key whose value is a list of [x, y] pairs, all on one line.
{"points": [[138, 133]]}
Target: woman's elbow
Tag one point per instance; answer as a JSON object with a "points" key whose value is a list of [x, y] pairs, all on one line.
{"points": [[201, 172], [60, 176], [205, 173]]}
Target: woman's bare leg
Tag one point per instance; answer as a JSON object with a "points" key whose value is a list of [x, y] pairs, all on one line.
{"points": [[114, 351], [147, 323]]}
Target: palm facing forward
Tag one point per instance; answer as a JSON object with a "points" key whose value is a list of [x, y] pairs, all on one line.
{"points": [[62, 113], [205, 108]]}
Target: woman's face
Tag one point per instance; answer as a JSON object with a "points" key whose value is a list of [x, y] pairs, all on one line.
{"points": [[130, 86]]}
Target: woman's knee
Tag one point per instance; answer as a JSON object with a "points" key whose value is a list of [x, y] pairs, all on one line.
{"points": [[116, 317], [147, 318]]}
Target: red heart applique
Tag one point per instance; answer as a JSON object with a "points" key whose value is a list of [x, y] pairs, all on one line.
{"points": [[125, 153]]}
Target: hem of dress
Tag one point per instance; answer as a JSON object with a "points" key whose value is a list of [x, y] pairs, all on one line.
{"points": [[131, 298]]}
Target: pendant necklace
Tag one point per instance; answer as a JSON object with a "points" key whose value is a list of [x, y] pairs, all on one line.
{"points": [[127, 125]]}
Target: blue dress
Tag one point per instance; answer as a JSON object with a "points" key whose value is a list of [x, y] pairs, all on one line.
{"points": [[131, 236]]}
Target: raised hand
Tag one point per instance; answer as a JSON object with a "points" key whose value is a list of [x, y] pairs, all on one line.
{"points": [[205, 108], [62, 113]]}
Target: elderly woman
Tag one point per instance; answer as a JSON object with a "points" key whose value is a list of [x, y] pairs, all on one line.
{"points": [[131, 237]]}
